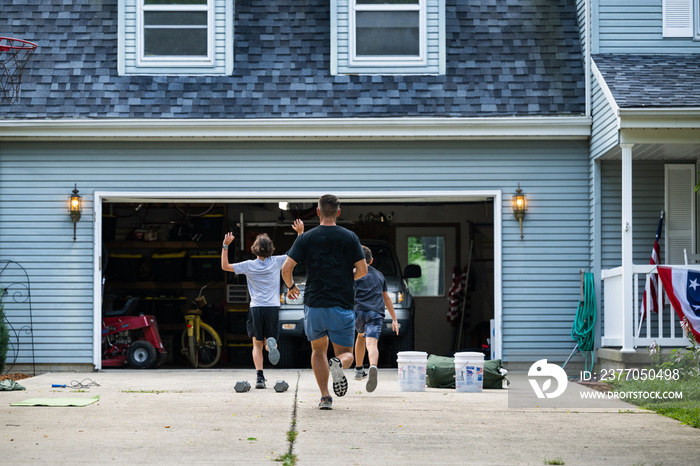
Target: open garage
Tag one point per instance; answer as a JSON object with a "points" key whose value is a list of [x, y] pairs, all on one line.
{"points": [[163, 249]]}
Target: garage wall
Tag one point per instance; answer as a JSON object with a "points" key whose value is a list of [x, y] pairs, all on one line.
{"points": [[540, 272]]}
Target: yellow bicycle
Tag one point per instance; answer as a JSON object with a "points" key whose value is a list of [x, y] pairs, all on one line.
{"points": [[200, 342]]}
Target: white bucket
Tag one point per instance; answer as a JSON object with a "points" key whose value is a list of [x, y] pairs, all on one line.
{"points": [[412, 369], [469, 372]]}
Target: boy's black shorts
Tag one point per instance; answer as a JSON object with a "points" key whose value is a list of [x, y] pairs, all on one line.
{"points": [[263, 322]]}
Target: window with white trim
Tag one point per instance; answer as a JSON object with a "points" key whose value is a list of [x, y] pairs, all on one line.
{"points": [[176, 37], [175, 32], [387, 36], [387, 31]]}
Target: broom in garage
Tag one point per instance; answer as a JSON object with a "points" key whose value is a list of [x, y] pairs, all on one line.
{"points": [[464, 297]]}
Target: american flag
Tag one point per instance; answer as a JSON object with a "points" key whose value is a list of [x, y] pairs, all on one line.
{"points": [[682, 287], [652, 280]]}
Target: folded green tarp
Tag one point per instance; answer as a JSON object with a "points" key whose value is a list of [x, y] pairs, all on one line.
{"points": [[440, 372], [57, 401]]}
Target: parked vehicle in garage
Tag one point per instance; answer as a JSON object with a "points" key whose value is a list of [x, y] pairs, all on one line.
{"points": [[293, 345]]}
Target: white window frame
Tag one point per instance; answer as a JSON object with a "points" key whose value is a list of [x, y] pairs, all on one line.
{"points": [[389, 60], [174, 60]]}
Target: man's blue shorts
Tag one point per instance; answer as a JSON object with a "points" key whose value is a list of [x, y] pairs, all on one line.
{"points": [[335, 322], [370, 323]]}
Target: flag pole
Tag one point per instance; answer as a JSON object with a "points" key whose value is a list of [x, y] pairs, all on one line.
{"points": [[655, 259]]}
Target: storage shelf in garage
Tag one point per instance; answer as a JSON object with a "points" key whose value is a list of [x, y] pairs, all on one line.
{"points": [[163, 285], [163, 245]]}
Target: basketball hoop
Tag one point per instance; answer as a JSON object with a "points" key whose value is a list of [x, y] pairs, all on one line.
{"points": [[14, 54]]}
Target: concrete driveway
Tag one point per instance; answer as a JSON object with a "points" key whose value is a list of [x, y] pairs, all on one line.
{"points": [[195, 416]]}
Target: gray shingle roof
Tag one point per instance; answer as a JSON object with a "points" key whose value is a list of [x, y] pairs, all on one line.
{"points": [[504, 57], [652, 80]]}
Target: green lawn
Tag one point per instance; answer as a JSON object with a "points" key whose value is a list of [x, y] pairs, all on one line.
{"points": [[683, 365]]}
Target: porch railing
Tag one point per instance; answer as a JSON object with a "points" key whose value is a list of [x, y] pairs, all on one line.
{"points": [[663, 327]]}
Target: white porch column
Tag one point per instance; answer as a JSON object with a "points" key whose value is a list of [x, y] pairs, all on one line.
{"points": [[627, 275]]}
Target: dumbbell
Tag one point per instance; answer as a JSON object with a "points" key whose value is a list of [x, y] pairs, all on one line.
{"points": [[281, 386], [242, 386]]}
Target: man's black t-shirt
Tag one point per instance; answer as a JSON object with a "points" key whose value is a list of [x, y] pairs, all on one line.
{"points": [[330, 253]]}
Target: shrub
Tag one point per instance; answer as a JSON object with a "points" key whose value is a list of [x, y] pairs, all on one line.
{"points": [[685, 366]]}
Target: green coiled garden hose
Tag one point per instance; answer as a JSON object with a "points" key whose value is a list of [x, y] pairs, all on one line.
{"points": [[582, 330]]}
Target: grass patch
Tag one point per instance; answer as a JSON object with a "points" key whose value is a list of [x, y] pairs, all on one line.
{"points": [[290, 458], [685, 409], [553, 461], [678, 399]]}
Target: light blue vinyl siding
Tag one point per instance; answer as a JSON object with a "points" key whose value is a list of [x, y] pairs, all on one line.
{"points": [[634, 26], [647, 204], [604, 130], [540, 273], [223, 43], [340, 43]]}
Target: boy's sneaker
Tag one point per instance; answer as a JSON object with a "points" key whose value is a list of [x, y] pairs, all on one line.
{"points": [[260, 383], [372, 380], [360, 373], [273, 353], [326, 403], [340, 383]]}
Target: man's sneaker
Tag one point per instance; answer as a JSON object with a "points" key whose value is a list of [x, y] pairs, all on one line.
{"points": [[326, 402], [360, 373], [260, 383], [372, 380], [340, 383], [272, 352]]}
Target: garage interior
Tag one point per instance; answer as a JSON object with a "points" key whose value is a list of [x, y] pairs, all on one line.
{"points": [[166, 253]]}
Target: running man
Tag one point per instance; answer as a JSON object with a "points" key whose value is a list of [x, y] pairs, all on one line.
{"points": [[334, 260]]}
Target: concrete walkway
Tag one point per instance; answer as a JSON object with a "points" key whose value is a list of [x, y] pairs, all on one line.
{"points": [[195, 416]]}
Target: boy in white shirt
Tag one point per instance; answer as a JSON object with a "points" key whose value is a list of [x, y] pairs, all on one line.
{"points": [[263, 278]]}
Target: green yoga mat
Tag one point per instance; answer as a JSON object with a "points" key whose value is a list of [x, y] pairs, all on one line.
{"points": [[57, 401]]}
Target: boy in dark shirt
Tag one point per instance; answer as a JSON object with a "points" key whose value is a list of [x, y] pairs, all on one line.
{"points": [[371, 297]]}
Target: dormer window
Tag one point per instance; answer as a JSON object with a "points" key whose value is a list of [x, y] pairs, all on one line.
{"points": [[176, 37], [387, 37], [387, 31], [175, 30]]}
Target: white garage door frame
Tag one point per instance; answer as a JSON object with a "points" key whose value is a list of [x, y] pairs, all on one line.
{"points": [[236, 197]]}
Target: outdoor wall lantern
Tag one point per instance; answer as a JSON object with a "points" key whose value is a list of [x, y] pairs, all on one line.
{"points": [[75, 207], [519, 203]]}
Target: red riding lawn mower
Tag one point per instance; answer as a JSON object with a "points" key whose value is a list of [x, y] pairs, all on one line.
{"points": [[132, 340]]}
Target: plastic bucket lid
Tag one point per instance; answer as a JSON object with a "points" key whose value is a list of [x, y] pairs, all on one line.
{"points": [[467, 356], [412, 356]]}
